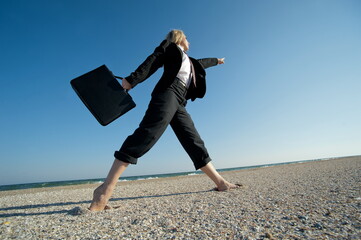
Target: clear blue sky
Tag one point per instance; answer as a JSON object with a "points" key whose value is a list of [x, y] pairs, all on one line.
{"points": [[290, 88]]}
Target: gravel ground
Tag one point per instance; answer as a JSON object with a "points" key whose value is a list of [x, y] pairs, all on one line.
{"points": [[312, 200]]}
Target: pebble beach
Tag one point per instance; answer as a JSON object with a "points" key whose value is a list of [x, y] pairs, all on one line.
{"points": [[311, 200]]}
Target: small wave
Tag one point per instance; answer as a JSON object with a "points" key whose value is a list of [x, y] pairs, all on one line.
{"points": [[147, 178], [192, 174]]}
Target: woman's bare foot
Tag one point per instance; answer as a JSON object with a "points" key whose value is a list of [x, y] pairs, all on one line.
{"points": [[221, 183], [101, 197], [225, 186], [102, 193]]}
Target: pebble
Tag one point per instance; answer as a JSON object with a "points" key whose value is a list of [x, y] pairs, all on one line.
{"points": [[79, 211], [269, 236]]}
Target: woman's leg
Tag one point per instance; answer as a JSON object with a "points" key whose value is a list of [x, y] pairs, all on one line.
{"points": [[157, 117], [183, 126], [102, 194], [155, 121]]}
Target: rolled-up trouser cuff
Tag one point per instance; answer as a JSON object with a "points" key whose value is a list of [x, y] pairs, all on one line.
{"points": [[125, 157], [200, 164]]}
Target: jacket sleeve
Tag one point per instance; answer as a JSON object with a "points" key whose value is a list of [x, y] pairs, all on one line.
{"points": [[151, 64], [208, 62]]}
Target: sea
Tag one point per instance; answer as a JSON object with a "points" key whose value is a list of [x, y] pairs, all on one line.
{"points": [[135, 178]]}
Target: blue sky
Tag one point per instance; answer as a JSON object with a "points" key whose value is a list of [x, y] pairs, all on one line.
{"points": [[290, 88]]}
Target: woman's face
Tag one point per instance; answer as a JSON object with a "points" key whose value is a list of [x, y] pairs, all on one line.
{"points": [[185, 44]]}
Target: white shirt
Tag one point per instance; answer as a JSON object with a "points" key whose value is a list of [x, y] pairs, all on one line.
{"points": [[185, 71]]}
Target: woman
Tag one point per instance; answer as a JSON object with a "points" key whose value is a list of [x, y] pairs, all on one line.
{"points": [[183, 79]]}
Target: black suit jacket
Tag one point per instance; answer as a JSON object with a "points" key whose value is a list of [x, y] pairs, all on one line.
{"points": [[167, 54]]}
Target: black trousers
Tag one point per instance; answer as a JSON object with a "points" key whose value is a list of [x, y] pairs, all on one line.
{"points": [[167, 107]]}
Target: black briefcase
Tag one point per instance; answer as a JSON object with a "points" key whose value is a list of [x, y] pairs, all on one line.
{"points": [[102, 94]]}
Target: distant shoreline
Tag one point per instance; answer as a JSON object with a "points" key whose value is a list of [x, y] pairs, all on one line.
{"points": [[14, 187]]}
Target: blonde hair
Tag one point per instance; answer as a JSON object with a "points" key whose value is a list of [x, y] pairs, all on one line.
{"points": [[176, 36]]}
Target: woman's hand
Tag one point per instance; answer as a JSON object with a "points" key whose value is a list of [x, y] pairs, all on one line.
{"points": [[220, 60], [126, 85]]}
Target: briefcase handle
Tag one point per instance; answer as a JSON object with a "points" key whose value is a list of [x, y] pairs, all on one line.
{"points": [[121, 79]]}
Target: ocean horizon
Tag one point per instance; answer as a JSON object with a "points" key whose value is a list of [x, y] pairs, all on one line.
{"points": [[138, 177]]}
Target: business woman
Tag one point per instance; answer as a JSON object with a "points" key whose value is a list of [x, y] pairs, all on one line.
{"points": [[183, 79]]}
